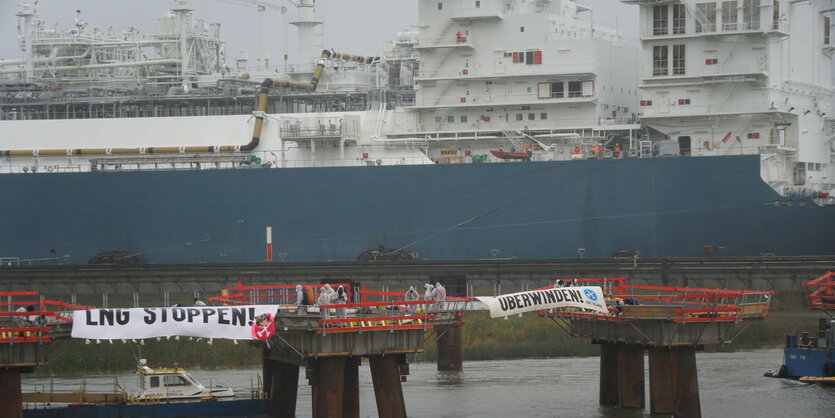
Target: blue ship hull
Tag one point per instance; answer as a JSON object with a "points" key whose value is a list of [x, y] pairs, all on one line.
{"points": [[661, 207], [808, 362], [253, 407]]}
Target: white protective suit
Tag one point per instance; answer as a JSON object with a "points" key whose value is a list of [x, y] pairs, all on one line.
{"points": [[429, 294], [340, 298], [324, 299], [440, 296], [300, 299]]}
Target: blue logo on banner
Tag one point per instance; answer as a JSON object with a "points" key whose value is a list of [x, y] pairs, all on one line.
{"points": [[591, 295]]}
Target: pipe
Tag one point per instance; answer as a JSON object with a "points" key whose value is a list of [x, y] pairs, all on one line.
{"points": [[314, 82], [95, 66], [260, 113]]}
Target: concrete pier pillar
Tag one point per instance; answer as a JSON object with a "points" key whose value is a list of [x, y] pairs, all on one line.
{"points": [[450, 348], [685, 382], [11, 402], [450, 341], [661, 399], [328, 389], [266, 372], [609, 381], [351, 396], [284, 388], [631, 376], [385, 372]]}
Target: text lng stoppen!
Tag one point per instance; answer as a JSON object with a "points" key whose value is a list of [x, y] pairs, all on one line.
{"points": [[230, 322]]}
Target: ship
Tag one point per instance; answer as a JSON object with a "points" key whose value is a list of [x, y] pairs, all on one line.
{"points": [[810, 358], [712, 135]]}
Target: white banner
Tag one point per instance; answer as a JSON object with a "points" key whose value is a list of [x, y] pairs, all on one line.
{"points": [[585, 297], [250, 322]]}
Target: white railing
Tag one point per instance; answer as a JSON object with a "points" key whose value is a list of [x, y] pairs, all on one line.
{"points": [[272, 158], [676, 109], [513, 69], [487, 8], [496, 99], [492, 130]]}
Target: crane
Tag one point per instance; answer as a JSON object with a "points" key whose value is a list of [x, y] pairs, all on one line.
{"points": [[261, 7]]}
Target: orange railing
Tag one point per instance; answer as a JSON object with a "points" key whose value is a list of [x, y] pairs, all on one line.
{"points": [[821, 291], [677, 304], [34, 325]]}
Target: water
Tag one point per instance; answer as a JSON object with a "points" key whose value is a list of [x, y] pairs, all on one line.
{"points": [[732, 384]]}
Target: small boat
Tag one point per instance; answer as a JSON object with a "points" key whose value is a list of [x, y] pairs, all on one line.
{"points": [[174, 383], [510, 155]]}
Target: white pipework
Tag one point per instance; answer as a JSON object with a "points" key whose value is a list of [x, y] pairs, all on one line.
{"points": [[26, 11]]}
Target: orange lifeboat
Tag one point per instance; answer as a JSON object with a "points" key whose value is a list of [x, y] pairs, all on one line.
{"points": [[510, 155]]}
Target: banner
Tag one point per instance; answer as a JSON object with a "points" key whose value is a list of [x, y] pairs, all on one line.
{"points": [[250, 322], [588, 297]]}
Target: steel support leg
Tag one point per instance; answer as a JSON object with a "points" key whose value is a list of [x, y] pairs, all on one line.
{"points": [[609, 382], [329, 387], [661, 399], [385, 372], [284, 388], [351, 397], [267, 372], [450, 348], [685, 382], [631, 376], [11, 401]]}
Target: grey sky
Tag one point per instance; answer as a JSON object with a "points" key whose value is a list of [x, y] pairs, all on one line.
{"points": [[356, 26]]}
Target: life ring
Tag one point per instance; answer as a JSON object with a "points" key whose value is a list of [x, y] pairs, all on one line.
{"points": [[49, 168], [414, 255]]}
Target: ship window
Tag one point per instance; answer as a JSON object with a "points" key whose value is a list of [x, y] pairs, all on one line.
{"points": [[174, 381], [729, 15], [750, 14], [519, 116], [659, 60], [154, 381], [543, 116], [529, 57], [477, 4], [679, 53], [827, 22], [679, 19], [463, 118], [531, 116], [522, 29], [575, 89], [660, 20], [450, 119], [558, 90], [708, 21], [440, 6], [776, 16]]}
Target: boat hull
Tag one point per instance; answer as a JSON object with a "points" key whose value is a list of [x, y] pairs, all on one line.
{"points": [[677, 207]]}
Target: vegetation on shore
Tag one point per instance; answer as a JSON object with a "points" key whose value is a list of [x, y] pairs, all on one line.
{"points": [[484, 338]]}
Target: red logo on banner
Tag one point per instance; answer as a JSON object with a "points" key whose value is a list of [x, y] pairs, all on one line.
{"points": [[264, 327]]}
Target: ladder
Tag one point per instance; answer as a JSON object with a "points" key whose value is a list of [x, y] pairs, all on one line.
{"points": [[515, 138]]}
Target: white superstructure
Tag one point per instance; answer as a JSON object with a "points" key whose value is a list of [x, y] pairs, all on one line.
{"points": [[744, 77], [709, 78], [501, 73]]}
